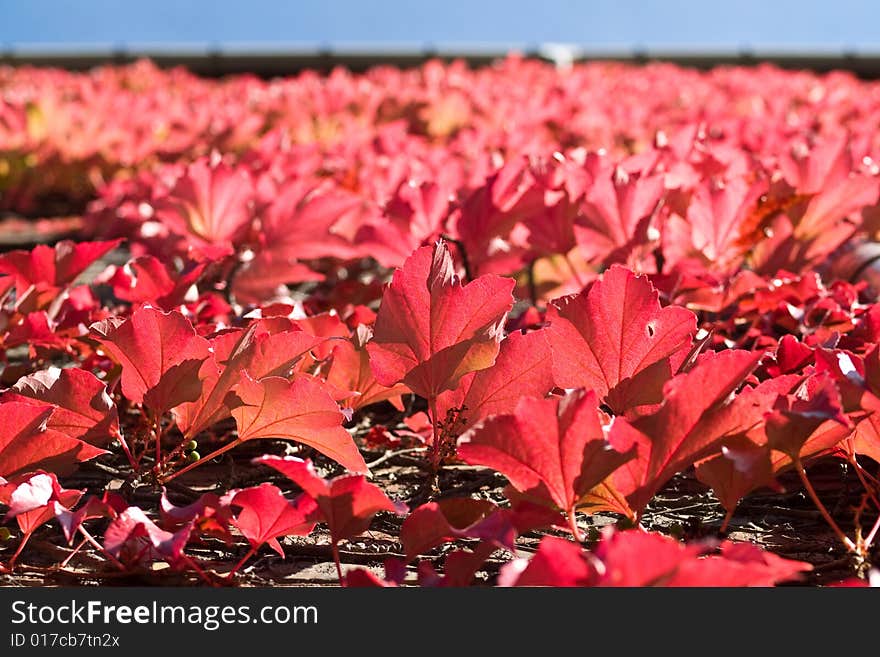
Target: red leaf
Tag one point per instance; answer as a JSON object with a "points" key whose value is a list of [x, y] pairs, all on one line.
{"points": [[36, 329], [523, 369], [717, 211], [740, 564], [267, 275], [52, 266], [31, 499], [395, 574], [160, 354], [435, 523], [794, 420], [695, 418], [603, 338], [209, 514], [617, 210], [456, 518], [362, 578], [638, 558], [82, 407], [459, 568], [132, 536], [300, 410], [826, 172], [553, 449], [110, 505], [261, 350], [431, 330], [147, 280], [741, 467], [26, 444], [791, 356], [211, 205], [350, 370], [346, 503], [303, 222], [266, 515], [558, 562]]}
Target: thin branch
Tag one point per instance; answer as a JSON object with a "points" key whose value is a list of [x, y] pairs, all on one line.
{"points": [[799, 466], [391, 454]]}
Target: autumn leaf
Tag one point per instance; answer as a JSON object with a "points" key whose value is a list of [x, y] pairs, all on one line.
{"points": [[558, 562], [522, 369], [26, 444], [147, 280], [209, 514], [638, 558], [717, 212], [52, 267], [33, 500], [795, 418], [301, 410], [261, 350], [455, 518], [82, 407], [210, 205], [605, 337], [554, 450], [160, 354], [361, 578], [346, 503], [265, 515], [350, 370], [617, 211], [696, 416], [132, 536], [741, 467], [431, 330]]}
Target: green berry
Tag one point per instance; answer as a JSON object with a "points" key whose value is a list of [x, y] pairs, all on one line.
{"points": [[192, 457], [5, 534], [191, 446]]}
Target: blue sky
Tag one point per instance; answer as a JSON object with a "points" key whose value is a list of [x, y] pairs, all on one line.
{"points": [[611, 24]]}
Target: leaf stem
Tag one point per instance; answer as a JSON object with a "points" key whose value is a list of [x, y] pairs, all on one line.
{"points": [[135, 466], [533, 290], [435, 426], [727, 518], [198, 569], [336, 560], [156, 429], [70, 556], [100, 548], [573, 526], [10, 565], [799, 466], [869, 539], [244, 559], [577, 275], [217, 452], [860, 473]]}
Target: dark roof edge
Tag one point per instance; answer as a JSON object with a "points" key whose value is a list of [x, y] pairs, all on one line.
{"points": [[283, 62]]}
